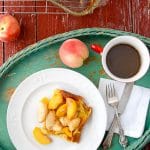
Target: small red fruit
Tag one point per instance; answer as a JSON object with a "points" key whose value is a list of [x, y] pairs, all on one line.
{"points": [[9, 28], [97, 48]]}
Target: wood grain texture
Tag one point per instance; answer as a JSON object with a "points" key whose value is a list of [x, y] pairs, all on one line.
{"points": [[127, 15], [109, 16], [141, 17], [1, 53], [1, 44], [28, 26], [147, 147], [50, 24]]}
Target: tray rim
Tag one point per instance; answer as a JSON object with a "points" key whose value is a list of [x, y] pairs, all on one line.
{"points": [[63, 36], [138, 144]]}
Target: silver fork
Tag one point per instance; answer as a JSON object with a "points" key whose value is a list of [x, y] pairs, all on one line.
{"points": [[113, 102]]}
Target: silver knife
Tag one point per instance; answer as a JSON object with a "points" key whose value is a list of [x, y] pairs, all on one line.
{"points": [[125, 97], [121, 107]]}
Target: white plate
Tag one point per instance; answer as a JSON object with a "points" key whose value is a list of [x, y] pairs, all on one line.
{"points": [[22, 109]]}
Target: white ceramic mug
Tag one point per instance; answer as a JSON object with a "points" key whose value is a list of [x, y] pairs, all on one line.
{"points": [[135, 43]]}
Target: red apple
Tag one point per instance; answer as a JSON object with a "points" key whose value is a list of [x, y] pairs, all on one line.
{"points": [[73, 52], [9, 28]]}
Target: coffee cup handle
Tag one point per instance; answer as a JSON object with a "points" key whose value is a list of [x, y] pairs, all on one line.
{"points": [[97, 48]]}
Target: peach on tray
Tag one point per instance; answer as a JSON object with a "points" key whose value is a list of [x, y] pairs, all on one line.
{"points": [[73, 52]]}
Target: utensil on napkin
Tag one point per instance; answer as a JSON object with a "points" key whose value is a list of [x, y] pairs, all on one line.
{"points": [[134, 116], [121, 107], [113, 101]]}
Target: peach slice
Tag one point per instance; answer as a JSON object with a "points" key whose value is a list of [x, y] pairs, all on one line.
{"points": [[57, 126], [64, 121], [71, 108], [45, 131], [40, 137], [61, 111], [50, 120], [67, 132], [73, 52], [74, 124], [45, 100], [42, 109], [55, 101]]}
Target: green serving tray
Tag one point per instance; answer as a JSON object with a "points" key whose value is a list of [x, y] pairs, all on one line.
{"points": [[44, 54]]}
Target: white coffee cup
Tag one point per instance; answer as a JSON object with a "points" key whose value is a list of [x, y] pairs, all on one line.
{"points": [[135, 43]]}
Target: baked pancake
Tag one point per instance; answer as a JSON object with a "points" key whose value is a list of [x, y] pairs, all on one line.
{"points": [[63, 115]]}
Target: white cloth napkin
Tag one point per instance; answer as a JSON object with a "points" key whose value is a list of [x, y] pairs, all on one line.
{"points": [[134, 116]]}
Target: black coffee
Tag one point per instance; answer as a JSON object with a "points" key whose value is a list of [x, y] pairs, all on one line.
{"points": [[123, 61]]}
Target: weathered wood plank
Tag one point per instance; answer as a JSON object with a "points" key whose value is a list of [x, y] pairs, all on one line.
{"points": [[1, 53], [50, 24], [1, 44], [28, 26], [116, 14], [141, 17]]}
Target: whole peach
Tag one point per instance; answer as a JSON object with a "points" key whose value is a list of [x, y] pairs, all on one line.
{"points": [[73, 52], [9, 28]]}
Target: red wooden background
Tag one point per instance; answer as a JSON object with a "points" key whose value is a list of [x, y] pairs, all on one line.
{"points": [[127, 15]]}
